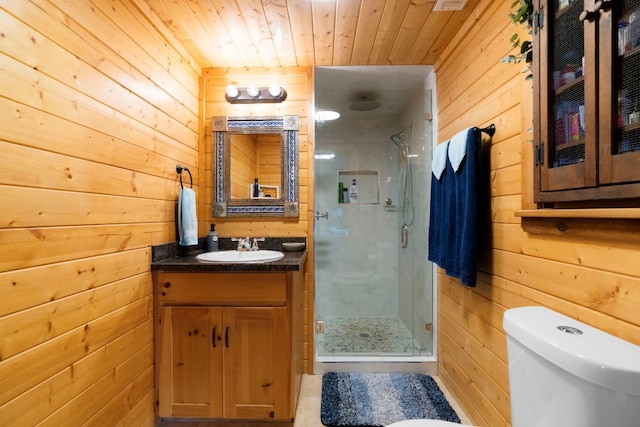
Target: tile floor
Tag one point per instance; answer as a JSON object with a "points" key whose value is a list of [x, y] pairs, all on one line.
{"points": [[308, 412]]}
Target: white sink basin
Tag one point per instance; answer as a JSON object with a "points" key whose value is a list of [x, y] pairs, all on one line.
{"points": [[238, 257]]}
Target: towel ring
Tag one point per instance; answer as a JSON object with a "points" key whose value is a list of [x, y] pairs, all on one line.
{"points": [[179, 170]]}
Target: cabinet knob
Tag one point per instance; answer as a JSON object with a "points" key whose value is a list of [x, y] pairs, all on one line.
{"points": [[592, 15], [603, 6], [588, 15]]}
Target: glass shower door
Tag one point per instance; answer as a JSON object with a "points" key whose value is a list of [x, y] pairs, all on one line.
{"points": [[373, 298]]}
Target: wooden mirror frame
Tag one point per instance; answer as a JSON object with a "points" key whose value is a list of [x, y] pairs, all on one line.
{"points": [[223, 127]]}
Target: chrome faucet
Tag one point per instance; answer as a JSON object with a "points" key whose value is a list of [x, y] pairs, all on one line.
{"points": [[247, 244], [244, 244]]}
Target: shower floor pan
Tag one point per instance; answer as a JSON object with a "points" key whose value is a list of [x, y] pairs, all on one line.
{"points": [[386, 337]]}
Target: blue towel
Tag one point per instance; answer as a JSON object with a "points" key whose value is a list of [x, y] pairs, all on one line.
{"points": [[187, 220], [454, 214]]}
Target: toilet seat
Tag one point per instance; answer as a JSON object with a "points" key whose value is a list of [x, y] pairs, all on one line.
{"points": [[424, 423]]}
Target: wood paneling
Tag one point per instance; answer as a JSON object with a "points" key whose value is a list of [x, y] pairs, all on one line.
{"points": [[281, 33], [97, 108], [591, 276], [299, 85]]}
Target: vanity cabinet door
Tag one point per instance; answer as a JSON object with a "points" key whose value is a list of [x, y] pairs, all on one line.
{"points": [[190, 362], [257, 362], [225, 346]]}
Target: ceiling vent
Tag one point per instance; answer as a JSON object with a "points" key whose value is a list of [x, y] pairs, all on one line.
{"points": [[449, 5]]}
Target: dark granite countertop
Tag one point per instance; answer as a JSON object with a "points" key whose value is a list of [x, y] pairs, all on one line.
{"points": [[172, 257]]}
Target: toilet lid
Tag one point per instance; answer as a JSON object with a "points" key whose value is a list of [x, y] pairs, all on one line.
{"points": [[423, 423]]}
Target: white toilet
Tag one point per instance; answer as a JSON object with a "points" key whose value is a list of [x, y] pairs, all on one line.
{"points": [[564, 373]]}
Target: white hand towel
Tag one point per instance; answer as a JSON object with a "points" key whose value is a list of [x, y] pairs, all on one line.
{"points": [[458, 148], [187, 220], [439, 161]]}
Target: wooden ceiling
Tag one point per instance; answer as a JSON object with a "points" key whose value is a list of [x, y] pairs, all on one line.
{"points": [[281, 33]]}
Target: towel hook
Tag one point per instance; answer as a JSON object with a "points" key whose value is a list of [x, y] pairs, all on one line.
{"points": [[179, 170]]}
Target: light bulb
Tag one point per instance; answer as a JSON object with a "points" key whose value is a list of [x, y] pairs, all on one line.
{"points": [[275, 90], [253, 91], [232, 91], [325, 116]]}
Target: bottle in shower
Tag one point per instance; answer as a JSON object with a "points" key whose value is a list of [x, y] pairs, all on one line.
{"points": [[353, 192]]}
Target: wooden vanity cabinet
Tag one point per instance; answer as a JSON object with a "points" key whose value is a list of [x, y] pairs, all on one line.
{"points": [[225, 344]]}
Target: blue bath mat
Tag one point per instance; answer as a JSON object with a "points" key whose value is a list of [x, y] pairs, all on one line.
{"points": [[374, 400]]}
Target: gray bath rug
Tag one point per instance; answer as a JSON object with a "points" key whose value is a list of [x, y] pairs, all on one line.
{"points": [[376, 400]]}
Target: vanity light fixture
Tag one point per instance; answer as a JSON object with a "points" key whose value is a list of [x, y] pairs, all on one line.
{"points": [[255, 94]]}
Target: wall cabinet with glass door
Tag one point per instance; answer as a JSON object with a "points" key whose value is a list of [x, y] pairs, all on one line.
{"points": [[587, 103]]}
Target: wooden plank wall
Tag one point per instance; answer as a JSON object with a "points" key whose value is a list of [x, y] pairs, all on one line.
{"points": [[243, 165], [96, 110], [593, 279], [269, 162], [256, 156], [298, 82]]}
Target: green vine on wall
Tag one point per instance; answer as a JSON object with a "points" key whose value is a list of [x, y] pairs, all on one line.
{"points": [[522, 15]]}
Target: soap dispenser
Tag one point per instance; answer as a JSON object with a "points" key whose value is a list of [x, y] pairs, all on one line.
{"points": [[212, 239]]}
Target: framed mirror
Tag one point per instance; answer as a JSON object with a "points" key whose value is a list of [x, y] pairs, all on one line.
{"points": [[250, 148]]}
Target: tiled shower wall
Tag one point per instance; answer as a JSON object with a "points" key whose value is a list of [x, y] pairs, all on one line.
{"points": [[357, 246]]}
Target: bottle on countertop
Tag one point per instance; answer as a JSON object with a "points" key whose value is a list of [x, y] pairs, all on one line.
{"points": [[212, 239], [256, 188], [353, 192], [340, 192]]}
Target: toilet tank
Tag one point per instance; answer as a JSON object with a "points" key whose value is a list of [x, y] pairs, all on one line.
{"points": [[565, 373]]}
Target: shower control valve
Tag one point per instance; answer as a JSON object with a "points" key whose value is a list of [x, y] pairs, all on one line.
{"points": [[319, 215]]}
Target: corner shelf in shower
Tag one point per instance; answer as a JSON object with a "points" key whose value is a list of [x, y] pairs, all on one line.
{"points": [[367, 182]]}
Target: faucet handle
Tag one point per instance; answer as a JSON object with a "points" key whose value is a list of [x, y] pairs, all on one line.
{"points": [[243, 243], [254, 245]]}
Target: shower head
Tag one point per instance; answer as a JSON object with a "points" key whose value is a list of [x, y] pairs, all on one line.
{"points": [[397, 139]]}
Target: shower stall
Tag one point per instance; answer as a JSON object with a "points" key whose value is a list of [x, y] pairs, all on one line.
{"points": [[373, 282]]}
